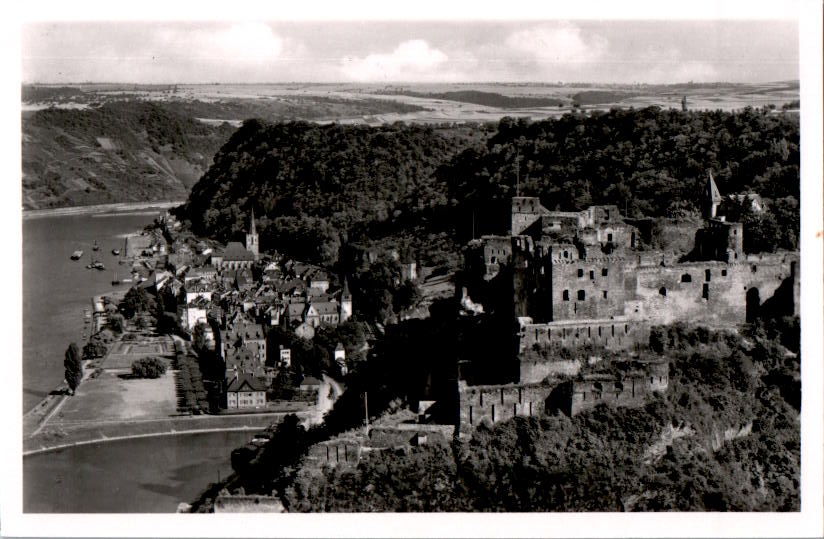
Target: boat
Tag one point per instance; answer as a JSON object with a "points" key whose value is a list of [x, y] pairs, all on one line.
{"points": [[77, 254], [116, 252], [115, 281], [98, 265], [127, 280], [96, 246]]}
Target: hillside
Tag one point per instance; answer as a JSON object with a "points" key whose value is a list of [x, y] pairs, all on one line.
{"points": [[118, 152], [315, 187], [430, 188]]}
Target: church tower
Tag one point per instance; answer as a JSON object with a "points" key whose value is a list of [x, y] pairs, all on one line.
{"points": [[712, 198], [252, 238], [345, 302]]}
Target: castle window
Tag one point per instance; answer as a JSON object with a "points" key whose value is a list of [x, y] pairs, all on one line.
{"points": [[604, 272], [662, 291], [566, 254], [707, 275], [580, 272], [566, 295], [705, 293], [599, 331], [605, 294], [686, 278], [723, 273], [493, 260], [754, 268], [581, 295], [592, 275], [626, 329], [609, 237]]}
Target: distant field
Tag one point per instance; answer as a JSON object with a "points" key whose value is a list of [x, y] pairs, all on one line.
{"points": [[109, 143]]}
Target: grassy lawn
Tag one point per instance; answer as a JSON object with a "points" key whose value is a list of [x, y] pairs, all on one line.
{"points": [[110, 397]]}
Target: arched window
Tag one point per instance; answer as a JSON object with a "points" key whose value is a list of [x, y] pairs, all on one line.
{"points": [[686, 278], [662, 291]]}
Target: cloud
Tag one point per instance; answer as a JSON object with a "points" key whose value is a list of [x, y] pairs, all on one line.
{"points": [[244, 42], [562, 42], [411, 60]]}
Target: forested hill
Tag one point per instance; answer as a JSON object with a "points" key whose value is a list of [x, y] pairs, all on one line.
{"points": [[314, 187], [317, 187], [117, 152]]}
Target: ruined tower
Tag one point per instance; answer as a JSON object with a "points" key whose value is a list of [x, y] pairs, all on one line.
{"points": [[712, 198]]}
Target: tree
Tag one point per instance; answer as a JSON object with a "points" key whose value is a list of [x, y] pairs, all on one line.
{"points": [[73, 367], [116, 323], [94, 349], [135, 301], [148, 367]]}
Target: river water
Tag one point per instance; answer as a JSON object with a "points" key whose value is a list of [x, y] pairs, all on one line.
{"points": [[143, 475], [56, 289]]}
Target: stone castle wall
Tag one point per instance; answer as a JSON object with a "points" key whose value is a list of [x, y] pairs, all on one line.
{"points": [[715, 293], [495, 403], [492, 404]]}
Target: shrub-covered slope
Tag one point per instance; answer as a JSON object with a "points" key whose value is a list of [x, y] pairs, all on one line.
{"points": [[118, 152]]}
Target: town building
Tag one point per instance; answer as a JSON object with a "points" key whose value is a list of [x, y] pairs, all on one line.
{"points": [[245, 391]]}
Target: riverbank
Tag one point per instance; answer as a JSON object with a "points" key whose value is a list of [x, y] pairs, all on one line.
{"points": [[101, 208], [54, 440]]}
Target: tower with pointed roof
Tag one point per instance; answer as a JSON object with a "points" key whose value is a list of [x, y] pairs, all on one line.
{"points": [[712, 198], [252, 238], [345, 302]]}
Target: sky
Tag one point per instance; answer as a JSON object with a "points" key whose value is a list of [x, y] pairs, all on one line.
{"points": [[597, 51]]}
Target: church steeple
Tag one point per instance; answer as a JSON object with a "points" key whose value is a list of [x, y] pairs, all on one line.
{"points": [[252, 238], [345, 302]]}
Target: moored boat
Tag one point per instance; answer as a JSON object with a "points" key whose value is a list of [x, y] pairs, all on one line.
{"points": [[116, 252], [77, 254], [96, 246]]}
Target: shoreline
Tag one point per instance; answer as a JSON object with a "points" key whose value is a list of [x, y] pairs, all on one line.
{"points": [[101, 208], [41, 450]]}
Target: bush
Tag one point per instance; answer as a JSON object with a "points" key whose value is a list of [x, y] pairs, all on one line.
{"points": [[150, 367]]}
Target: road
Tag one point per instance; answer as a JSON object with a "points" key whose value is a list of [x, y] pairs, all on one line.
{"points": [[328, 392]]}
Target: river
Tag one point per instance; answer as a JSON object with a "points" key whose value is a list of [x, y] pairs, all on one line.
{"points": [[143, 475], [56, 289], [139, 475]]}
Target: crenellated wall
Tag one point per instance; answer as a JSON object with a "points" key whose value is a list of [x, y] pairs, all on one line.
{"points": [[491, 404], [494, 403]]}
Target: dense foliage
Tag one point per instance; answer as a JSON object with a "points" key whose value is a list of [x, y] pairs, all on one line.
{"points": [[314, 187], [148, 367], [136, 301], [690, 450], [318, 188]]}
